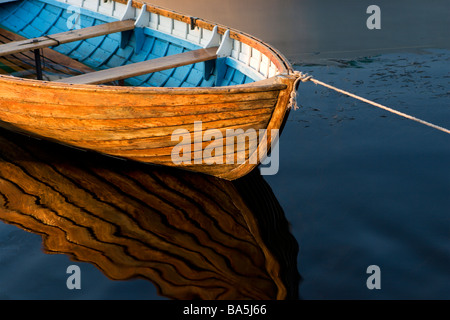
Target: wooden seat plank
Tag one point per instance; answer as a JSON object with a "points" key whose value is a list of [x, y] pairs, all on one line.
{"points": [[144, 67], [65, 37]]}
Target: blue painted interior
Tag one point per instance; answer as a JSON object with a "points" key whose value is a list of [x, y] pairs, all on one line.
{"points": [[34, 18]]}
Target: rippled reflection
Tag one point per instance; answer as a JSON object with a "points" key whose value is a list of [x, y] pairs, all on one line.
{"points": [[191, 235]]}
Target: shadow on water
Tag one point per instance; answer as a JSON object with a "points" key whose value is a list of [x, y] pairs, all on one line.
{"points": [[192, 236]]}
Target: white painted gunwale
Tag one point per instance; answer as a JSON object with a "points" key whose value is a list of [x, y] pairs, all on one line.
{"points": [[246, 59]]}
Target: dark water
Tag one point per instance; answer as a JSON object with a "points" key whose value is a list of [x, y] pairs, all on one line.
{"points": [[358, 185], [364, 187]]}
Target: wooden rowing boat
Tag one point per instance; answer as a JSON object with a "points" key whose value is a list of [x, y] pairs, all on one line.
{"points": [[193, 236], [149, 76]]}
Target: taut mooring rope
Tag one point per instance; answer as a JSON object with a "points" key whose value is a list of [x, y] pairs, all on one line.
{"points": [[303, 77]]}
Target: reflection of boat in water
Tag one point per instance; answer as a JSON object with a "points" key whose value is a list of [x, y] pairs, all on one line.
{"points": [[192, 236]]}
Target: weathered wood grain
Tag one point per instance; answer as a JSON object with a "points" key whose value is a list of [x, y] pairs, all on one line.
{"points": [[110, 131], [144, 67], [65, 37], [23, 64]]}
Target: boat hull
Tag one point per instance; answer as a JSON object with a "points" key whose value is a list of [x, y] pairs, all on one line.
{"points": [[222, 126], [144, 124]]}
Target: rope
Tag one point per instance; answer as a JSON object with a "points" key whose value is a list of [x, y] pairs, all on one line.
{"points": [[301, 77], [304, 77], [53, 39]]}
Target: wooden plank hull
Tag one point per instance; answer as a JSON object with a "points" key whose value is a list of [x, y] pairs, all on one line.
{"points": [[139, 123], [193, 236], [222, 131]]}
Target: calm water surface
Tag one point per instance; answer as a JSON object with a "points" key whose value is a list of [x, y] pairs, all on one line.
{"points": [[358, 185]]}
